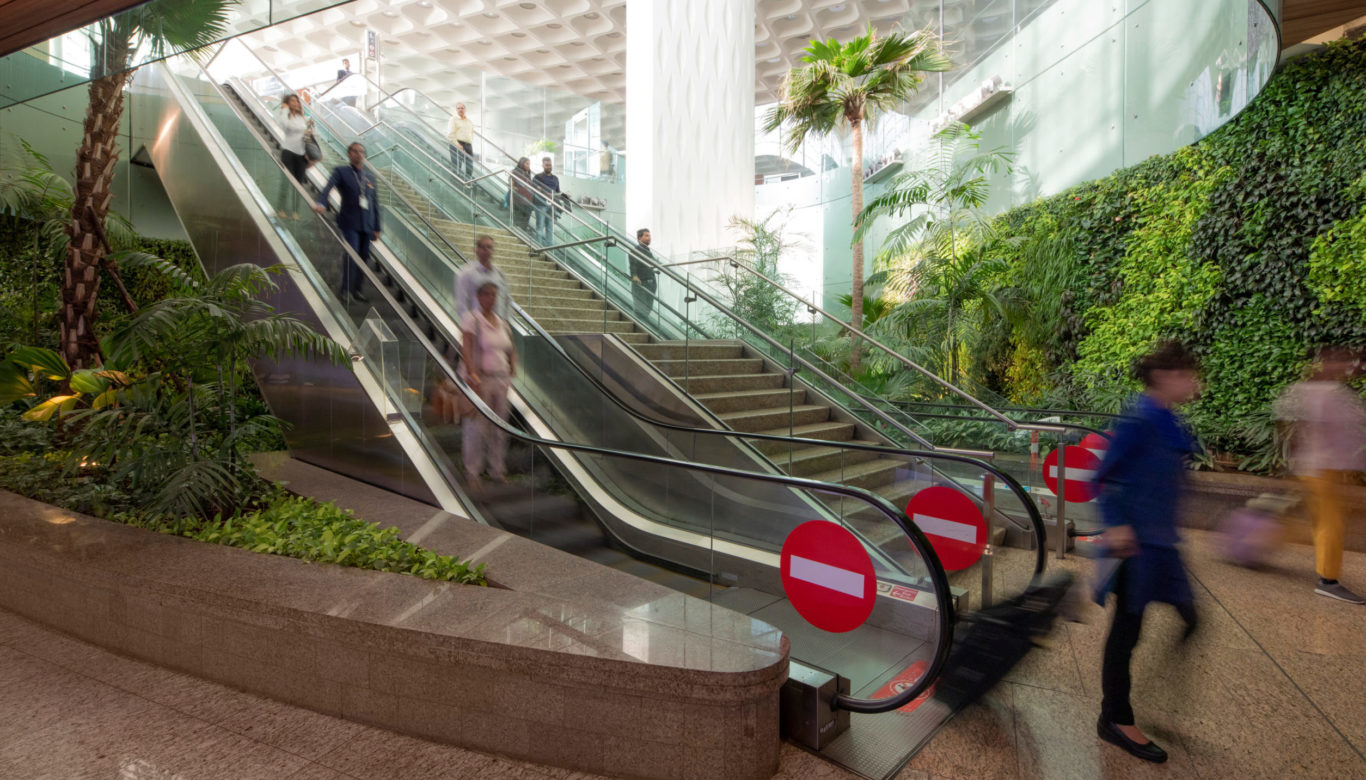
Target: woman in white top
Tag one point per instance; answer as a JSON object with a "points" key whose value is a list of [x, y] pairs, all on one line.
{"points": [[489, 363], [293, 127]]}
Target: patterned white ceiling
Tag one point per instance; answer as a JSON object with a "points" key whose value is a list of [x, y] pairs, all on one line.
{"points": [[579, 46]]}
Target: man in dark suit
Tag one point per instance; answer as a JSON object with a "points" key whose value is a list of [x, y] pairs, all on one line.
{"points": [[643, 275], [358, 218]]}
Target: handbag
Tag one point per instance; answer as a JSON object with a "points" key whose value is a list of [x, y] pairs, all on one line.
{"points": [[312, 150]]}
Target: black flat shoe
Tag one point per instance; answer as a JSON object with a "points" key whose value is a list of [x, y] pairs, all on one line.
{"points": [[1111, 733]]}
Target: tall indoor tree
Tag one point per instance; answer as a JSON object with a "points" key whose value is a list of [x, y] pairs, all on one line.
{"points": [[162, 27], [849, 84]]}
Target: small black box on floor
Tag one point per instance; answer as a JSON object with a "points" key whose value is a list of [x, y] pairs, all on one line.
{"points": [[807, 716]]}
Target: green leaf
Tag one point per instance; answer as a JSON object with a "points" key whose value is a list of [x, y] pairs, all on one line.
{"points": [[47, 409], [45, 362]]}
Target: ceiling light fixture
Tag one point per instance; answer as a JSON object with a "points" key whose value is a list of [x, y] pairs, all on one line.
{"points": [[554, 25], [490, 15], [590, 15], [519, 34], [358, 22], [528, 6], [391, 14]]}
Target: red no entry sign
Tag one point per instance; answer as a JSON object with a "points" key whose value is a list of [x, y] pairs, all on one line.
{"points": [[828, 576], [903, 680], [1081, 467], [953, 524], [1096, 444]]}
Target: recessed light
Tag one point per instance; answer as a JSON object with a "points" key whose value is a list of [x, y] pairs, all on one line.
{"points": [[519, 34], [576, 43], [391, 14], [528, 6], [791, 16], [543, 51], [554, 25], [775, 59], [565, 65], [837, 8], [490, 15], [424, 3], [590, 15], [510, 59], [358, 22], [614, 34], [485, 43]]}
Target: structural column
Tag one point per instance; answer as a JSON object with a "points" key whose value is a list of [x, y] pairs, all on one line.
{"points": [[689, 120]]}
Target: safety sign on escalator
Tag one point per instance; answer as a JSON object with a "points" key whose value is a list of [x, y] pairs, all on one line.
{"points": [[952, 523], [828, 576]]}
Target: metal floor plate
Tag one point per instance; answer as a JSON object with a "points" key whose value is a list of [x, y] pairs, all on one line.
{"points": [[878, 746]]}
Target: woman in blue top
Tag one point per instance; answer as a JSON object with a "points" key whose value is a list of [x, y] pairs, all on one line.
{"points": [[1140, 482]]}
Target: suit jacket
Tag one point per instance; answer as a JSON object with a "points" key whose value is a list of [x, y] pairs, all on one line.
{"points": [[348, 182], [641, 269]]}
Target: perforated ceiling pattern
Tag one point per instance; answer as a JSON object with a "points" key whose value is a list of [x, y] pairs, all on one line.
{"points": [[579, 46]]}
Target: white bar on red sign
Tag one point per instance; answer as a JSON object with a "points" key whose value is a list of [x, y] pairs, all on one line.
{"points": [[949, 529], [1100, 454], [1073, 475], [826, 576]]}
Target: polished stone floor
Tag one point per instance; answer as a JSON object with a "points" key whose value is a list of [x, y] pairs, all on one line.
{"points": [[1272, 687]]}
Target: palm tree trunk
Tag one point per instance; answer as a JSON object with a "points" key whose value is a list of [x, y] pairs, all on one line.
{"points": [[95, 161], [856, 251]]}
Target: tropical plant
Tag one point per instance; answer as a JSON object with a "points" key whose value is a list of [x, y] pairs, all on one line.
{"points": [[40, 200], [762, 243], [161, 418], [162, 26], [942, 262], [850, 84]]}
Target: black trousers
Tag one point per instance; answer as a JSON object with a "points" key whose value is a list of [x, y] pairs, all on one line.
{"points": [[462, 157], [351, 277], [1125, 628], [297, 165]]}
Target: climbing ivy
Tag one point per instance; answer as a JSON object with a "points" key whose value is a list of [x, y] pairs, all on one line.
{"points": [[1250, 246]]}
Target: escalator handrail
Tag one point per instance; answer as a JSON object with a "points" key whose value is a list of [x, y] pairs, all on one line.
{"points": [[1034, 517], [939, 579]]}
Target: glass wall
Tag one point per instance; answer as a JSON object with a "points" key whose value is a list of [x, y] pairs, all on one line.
{"points": [[1074, 89]]}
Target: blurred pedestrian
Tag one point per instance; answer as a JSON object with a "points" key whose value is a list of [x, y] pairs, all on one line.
{"points": [[643, 283], [523, 193], [547, 190], [460, 133], [1140, 483], [489, 364], [358, 217], [476, 274], [294, 126], [1327, 437]]}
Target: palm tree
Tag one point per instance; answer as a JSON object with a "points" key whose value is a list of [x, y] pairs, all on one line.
{"points": [[163, 26], [944, 262], [851, 84]]}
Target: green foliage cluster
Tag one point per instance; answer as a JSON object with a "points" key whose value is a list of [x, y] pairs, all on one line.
{"points": [[279, 524], [1250, 246]]}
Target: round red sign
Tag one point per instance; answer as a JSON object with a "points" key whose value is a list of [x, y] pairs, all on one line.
{"points": [[1096, 444], [1081, 468], [953, 524], [828, 576]]}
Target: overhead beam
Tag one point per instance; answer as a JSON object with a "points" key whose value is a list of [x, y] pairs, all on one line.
{"points": [[24, 23], [1305, 19]]}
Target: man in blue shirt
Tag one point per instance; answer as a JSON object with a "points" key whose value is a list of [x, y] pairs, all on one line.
{"points": [[358, 217], [548, 188], [1140, 482]]}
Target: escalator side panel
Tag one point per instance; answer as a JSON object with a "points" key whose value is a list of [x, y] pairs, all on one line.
{"points": [[334, 424]]}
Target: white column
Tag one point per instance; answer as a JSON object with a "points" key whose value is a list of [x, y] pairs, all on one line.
{"points": [[689, 120]]}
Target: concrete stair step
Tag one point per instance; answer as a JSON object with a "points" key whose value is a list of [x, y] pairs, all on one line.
{"points": [[635, 339], [825, 430], [677, 350], [814, 460], [710, 367], [741, 400], [559, 325], [868, 474], [716, 384], [521, 292], [766, 419]]}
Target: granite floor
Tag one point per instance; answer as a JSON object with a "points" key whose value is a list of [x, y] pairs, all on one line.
{"points": [[1272, 687]]}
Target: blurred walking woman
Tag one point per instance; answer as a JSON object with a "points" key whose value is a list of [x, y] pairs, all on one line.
{"points": [[489, 364], [1141, 481], [293, 127]]}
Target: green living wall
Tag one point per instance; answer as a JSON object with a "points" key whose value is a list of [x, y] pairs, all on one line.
{"points": [[1250, 246]]}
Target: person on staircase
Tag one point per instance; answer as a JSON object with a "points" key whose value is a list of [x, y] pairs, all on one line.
{"points": [[523, 193], [489, 364], [475, 275], [643, 283], [1327, 453], [460, 133], [294, 127], [547, 190], [358, 217]]}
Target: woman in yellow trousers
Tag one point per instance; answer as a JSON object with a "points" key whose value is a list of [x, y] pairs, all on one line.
{"points": [[1328, 444]]}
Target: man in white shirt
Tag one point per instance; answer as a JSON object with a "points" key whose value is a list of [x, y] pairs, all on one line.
{"points": [[475, 275], [460, 132]]}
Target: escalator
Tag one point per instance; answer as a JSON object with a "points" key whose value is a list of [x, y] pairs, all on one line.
{"points": [[681, 502]]}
